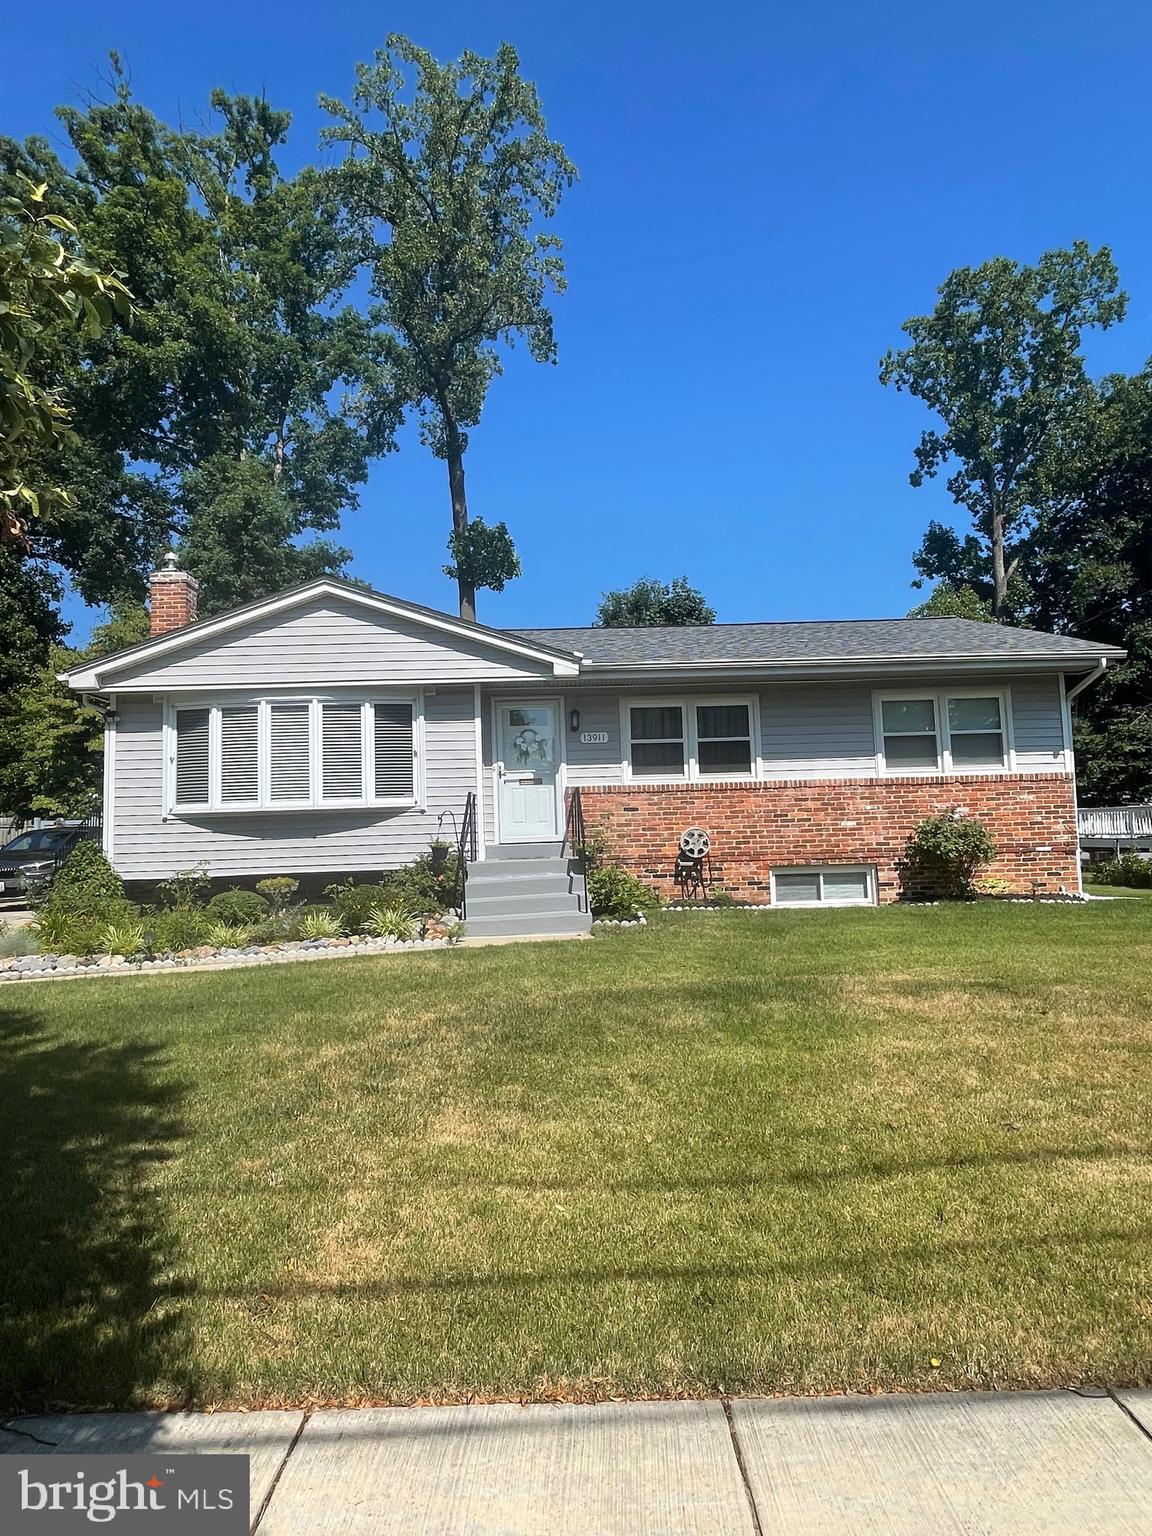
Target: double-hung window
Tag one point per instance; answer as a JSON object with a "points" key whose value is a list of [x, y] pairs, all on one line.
{"points": [[291, 754], [701, 739], [945, 732]]}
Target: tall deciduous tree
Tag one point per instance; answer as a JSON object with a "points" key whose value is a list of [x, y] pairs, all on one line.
{"points": [[218, 413], [999, 361], [449, 173], [649, 602]]}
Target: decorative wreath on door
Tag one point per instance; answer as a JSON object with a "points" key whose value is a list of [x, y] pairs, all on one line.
{"points": [[530, 746]]}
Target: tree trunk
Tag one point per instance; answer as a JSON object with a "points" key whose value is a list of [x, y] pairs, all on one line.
{"points": [[999, 572], [455, 457]]}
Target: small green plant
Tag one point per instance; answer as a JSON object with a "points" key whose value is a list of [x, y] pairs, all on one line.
{"points": [[278, 890], [122, 939], [353, 903], [186, 888], [229, 935], [18, 941], [1131, 869], [238, 906], [614, 892], [944, 855], [719, 897], [319, 925], [59, 933], [177, 928], [86, 885], [396, 922]]}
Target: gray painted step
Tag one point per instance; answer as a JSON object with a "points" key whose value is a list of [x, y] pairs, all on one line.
{"points": [[550, 922], [521, 851], [508, 869], [501, 903]]}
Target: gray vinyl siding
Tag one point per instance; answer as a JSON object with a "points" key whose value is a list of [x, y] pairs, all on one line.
{"points": [[814, 730], [325, 643], [146, 847]]}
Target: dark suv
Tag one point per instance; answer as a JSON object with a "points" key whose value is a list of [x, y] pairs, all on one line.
{"points": [[30, 859]]}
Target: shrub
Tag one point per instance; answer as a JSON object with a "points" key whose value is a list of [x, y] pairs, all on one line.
{"points": [[59, 933], [319, 925], [122, 938], [237, 906], [614, 892], [426, 891], [179, 928], [229, 935], [86, 885], [395, 922], [186, 888], [1131, 869], [353, 903], [945, 852], [18, 941], [279, 890]]}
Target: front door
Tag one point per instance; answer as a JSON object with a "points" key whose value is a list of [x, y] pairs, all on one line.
{"points": [[528, 760]]}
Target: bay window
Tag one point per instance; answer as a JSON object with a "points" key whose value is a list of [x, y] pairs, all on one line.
{"points": [[693, 739], [289, 754], [944, 732]]}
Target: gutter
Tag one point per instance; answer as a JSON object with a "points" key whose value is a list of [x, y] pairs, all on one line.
{"points": [[1085, 682]]}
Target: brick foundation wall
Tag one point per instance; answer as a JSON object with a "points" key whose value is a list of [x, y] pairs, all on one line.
{"points": [[755, 827]]}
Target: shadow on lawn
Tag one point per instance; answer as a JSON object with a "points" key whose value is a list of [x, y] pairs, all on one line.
{"points": [[89, 1313]]}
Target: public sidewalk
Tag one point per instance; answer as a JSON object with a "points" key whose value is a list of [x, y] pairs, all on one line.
{"points": [[956, 1464]]}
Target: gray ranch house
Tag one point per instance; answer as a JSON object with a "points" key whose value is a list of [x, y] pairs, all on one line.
{"points": [[333, 730]]}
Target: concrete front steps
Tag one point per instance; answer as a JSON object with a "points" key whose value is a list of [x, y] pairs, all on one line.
{"points": [[524, 888]]}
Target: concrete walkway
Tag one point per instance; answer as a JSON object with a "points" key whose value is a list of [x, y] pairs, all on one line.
{"points": [[957, 1464]]}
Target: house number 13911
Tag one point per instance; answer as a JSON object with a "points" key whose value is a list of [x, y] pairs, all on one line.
{"points": [[593, 738]]}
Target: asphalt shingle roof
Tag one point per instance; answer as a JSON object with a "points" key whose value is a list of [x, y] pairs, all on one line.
{"points": [[815, 640]]}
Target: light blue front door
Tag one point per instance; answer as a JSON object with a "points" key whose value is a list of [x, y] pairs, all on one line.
{"points": [[528, 748]]}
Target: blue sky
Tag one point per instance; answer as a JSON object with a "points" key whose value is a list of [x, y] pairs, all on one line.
{"points": [[766, 193]]}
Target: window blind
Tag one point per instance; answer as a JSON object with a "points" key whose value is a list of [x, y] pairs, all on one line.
{"points": [[394, 774], [239, 753], [289, 777], [342, 777], [192, 756]]}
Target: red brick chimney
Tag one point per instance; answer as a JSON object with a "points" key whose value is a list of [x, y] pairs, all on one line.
{"points": [[173, 597]]}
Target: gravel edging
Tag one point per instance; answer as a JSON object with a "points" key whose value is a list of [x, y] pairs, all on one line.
{"points": [[78, 972]]}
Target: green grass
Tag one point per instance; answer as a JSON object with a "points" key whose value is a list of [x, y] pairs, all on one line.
{"points": [[1117, 890], [801, 1151]]}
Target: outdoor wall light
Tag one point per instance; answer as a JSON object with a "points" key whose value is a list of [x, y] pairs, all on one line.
{"points": [[573, 719]]}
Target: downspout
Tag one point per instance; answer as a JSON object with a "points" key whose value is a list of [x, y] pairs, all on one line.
{"points": [[1093, 677], [1069, 694]]}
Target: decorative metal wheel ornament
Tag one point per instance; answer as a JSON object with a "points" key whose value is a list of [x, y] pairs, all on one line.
{"points": [[695, 842]]}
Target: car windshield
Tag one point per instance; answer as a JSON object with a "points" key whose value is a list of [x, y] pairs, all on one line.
{"points": [[44, 841]]}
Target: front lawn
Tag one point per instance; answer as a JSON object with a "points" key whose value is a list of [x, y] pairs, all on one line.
{"points": [[796, 1151]]}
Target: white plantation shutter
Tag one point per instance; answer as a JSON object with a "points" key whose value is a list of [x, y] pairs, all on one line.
{"points": [[289, 735], [192, 736], [394, 767], [341, 743], [239, 753]]}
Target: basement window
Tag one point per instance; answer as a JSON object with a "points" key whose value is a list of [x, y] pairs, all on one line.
{"points": [[824, 886]]}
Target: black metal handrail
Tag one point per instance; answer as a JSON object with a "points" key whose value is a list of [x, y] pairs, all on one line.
{"points": [[466, 849], [574, 844]]}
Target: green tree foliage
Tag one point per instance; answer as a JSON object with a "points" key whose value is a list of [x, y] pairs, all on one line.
{"points": [[1090, 574], [949, 602], [448, 175], [945, 853], [51, 742], [999, 361], [46, 289], [85, 885], [649, 602], [215, 418]]}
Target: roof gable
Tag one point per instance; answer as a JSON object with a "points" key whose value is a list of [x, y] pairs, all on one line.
{"points": [[325, 632]]}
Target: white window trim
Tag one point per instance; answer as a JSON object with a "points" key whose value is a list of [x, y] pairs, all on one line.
{"points": [[867, 870], [215, 806], [688, 705], [944, 765]]}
